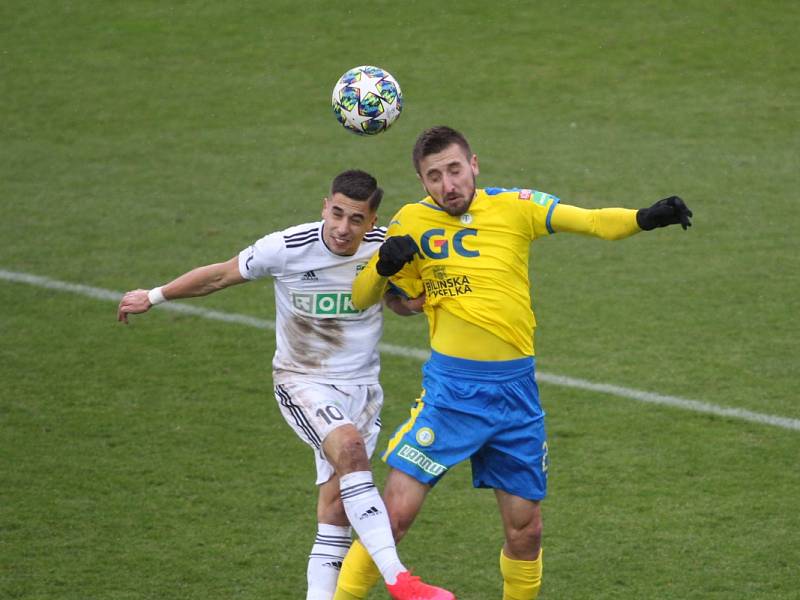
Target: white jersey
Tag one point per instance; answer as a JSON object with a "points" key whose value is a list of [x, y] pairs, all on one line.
{"points": [[319, 335]]}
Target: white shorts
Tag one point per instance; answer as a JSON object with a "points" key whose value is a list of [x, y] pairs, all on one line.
{"points": [[313, 410]]}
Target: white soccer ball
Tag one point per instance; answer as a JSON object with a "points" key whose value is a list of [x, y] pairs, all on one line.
{"points": [[367, 100]]}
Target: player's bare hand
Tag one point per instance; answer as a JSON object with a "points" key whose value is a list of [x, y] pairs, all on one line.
{"points": [[405, 307], [415, 305], [133, 302]]}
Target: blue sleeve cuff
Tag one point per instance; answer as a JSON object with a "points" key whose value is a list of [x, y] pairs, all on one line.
{"points": [[550, 215], [393, 289]]}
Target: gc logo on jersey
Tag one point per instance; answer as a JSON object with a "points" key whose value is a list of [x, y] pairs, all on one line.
{"points": [[435, 244]]}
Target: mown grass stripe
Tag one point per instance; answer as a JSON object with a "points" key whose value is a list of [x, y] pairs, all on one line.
{"points": [[406, 352]]}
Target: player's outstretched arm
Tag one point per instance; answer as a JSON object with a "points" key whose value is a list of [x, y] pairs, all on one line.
{"points": [[669, 211], [619, 223], [603, 223], [197, 282]]}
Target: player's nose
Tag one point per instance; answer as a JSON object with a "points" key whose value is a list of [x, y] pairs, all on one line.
{"points": [[447, 183]]}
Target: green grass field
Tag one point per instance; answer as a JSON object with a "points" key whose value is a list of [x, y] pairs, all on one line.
{"points": [[140, 139]]}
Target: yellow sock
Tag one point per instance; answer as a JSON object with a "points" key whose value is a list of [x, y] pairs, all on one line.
{"points": [[522, 579], [358, 574]]}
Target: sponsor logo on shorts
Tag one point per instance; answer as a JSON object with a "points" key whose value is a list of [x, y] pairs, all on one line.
{"points": [[418, 458], [425, 436]]}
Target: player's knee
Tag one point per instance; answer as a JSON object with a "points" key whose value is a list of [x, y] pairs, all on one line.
{"points": [[352, 455], [526, 539]]}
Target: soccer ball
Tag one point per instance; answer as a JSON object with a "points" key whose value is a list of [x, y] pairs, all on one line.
{"points": [[367, 100]]}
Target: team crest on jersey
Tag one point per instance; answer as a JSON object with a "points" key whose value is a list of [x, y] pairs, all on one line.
{"points": [[466, 218], [439, 272], [425, 436]]}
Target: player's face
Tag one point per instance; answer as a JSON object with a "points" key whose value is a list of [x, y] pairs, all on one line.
{"points": [[346, 222], [449, 177]]}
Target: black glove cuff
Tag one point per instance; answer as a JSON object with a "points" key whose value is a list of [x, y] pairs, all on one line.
{"points": [[643, 219], [386, 268]]}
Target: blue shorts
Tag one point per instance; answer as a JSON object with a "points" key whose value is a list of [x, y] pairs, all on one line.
{"points": [[488, 412]]}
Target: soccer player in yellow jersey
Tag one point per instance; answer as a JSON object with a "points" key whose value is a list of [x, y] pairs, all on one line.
{"points": [[465, 250]]}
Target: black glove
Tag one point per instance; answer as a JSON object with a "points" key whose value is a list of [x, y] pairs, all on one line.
{"points": [[668, 211], [394, 253]]}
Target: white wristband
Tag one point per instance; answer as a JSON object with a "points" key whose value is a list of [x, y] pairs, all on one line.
{"points": [[156, 296]]}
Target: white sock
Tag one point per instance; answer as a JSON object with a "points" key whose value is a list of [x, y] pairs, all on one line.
{"points": [[367, 514], [325, 560]]}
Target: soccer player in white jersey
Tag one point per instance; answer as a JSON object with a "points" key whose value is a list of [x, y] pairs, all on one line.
{"points": [[325, 368]]}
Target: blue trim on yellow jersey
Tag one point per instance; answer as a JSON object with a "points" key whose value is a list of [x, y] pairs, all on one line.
{"points": [[393, 289], [550, 214], [433, 206], [493, 191]]}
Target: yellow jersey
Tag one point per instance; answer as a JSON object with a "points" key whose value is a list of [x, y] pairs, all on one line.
{"points": [[473, 268]]}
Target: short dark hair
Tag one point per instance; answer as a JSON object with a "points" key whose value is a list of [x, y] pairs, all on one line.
{"points": [[358, 185], [435, 140]]}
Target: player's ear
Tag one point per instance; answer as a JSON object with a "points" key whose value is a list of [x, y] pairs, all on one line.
{"points": [[473, 162], [324, 206]]}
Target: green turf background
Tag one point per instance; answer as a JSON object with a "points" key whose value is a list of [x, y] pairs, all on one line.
{"points": [[140, 139]]}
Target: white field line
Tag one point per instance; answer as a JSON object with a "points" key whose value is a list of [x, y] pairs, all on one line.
{"points": [[403, 351]]}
